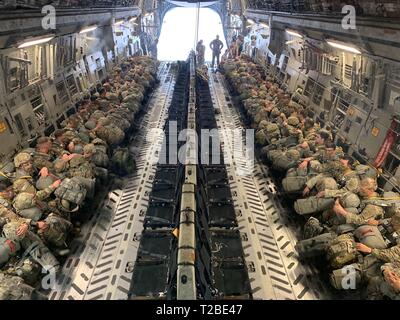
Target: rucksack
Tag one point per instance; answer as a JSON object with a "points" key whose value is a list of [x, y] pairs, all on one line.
{"points": [[122, 162], [294, 184], [342, 251], [71, 190], [313, 205], [100, 159]]}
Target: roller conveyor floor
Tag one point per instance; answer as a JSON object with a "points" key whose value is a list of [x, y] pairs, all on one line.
{"points": [[268, 238], [104, 255], [101, 263]]}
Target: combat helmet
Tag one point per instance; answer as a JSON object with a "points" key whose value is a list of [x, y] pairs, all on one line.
{"points": [[293, 154], [89, 148], [275, 112], [10, 231], [263, 124], [77, 161], [21, 158], [327, 183], [90, 124], [293, 121], [25, 204], [60, 165], [350, 200], [365, 171]]}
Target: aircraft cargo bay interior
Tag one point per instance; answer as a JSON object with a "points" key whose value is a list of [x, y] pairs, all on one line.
{"points": [[223, 150]]}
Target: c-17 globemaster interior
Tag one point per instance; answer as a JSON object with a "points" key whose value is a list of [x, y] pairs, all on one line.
{"points": [[264, 164]]}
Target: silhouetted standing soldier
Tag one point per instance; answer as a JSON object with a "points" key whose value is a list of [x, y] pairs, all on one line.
{"points": [[216, 45], [201, 49]]}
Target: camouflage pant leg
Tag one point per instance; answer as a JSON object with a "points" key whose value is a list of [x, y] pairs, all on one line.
{"points": [[39, 252], [315, 246], [293, 184], [313, 205]]}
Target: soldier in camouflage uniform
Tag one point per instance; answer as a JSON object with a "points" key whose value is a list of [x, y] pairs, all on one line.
{"points": [[323, 147], [309, 166], [97, 156], [33, 246], [23, 165], [372, 266], [14, 288], [59, 144], [109, 132], [24, 182], [8, 215], [367, 190], [42, 157], [386, 284], [319, 235]]}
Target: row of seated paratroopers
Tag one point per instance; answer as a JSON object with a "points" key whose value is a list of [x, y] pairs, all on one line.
{"points": [[43, 189], [350, 226]]}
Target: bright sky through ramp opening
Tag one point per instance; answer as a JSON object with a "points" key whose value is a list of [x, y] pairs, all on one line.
{"points": [[179, 29]]}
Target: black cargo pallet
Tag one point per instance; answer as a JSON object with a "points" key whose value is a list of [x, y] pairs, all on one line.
{"points": [[155, 267], [221, 265], [160, 215]]}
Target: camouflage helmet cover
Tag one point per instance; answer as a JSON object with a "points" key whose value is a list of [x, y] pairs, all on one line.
{"points": [[10, 231], [21, 158], [23, 201], [293, 121]]}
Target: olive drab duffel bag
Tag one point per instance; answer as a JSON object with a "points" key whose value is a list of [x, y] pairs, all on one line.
{"points": [[294, 184], [289, 159], [342, 251], [122, 162], [8, 249], [313, 204], [370, 236], [100, 159], [315, 246], [72, 191]]}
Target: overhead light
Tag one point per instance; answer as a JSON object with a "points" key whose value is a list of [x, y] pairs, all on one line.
{"points": [[294, 33], [343, 47], [119, 22], [264, 25], [132, 19], [251, 21], [88, 29], [290, 42], [34, 42]]}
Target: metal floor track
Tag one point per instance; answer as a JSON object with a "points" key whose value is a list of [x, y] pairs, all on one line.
{"points": [[103, 255], [100, 266], [268, 241]]}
